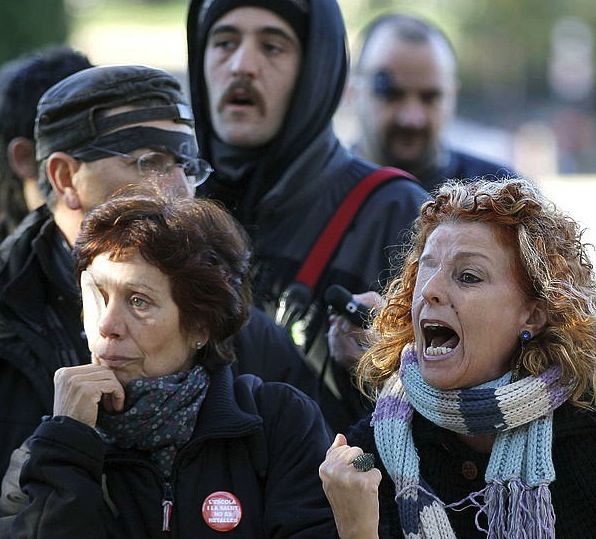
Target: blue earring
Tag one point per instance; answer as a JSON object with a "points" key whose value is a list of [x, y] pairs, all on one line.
{"points": [[525, 337]]}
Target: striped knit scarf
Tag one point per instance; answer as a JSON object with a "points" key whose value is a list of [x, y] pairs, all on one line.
{"points": [[516, 498]]}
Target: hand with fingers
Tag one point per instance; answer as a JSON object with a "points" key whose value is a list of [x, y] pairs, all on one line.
{"points": [[347, 342], [80, 389], [351, 491]]}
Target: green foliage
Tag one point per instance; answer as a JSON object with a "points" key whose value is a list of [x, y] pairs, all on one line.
{"points": [[504, 47], [29, 24], [141, 12]]}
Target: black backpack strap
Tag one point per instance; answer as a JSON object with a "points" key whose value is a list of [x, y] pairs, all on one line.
{"points": [[245, 388]]}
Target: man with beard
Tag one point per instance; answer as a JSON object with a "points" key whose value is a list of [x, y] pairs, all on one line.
{"points": [[404, 92], [266, 77]]}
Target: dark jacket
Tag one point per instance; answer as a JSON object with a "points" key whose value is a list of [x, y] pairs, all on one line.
{"points": [[453, 470], [286, 192], [41, 330], [458, 165], [267, 459]]}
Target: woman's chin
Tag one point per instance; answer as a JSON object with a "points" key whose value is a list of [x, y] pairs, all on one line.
{"points": [[124, 377], [441, 374]]}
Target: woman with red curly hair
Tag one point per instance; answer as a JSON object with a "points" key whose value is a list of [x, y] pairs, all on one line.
{"points": [[483, 368]]}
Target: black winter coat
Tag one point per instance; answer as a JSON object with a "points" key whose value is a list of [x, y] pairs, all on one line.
{"points": [[461, 166], [268, 459], [454, 470], [41, 330], [285, 192]]}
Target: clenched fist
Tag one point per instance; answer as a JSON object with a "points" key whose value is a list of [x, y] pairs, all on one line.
{"points": [[353, 495]]}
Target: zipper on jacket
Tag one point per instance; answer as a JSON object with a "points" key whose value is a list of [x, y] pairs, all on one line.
{"points": [[167, 504]]}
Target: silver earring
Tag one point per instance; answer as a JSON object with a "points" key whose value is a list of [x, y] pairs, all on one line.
{"points": [[199, 345]]}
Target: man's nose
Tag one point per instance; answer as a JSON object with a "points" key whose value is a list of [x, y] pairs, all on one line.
{"points": [[411, 113], [174, 181], [245, 60]]}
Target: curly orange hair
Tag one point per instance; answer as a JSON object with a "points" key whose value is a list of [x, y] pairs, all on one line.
{"points": [[553, 266]]}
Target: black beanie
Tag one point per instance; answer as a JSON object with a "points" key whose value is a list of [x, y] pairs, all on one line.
{"points": [[294, 12]]}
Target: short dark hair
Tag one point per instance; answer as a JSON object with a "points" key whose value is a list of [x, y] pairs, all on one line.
{"points": [[407, 28], [200, 248], [22, 83]]}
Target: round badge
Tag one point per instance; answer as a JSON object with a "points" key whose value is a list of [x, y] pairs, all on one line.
{"points": [[222, 511]]}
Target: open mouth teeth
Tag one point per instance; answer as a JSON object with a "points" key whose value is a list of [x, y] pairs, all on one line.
{"points": [[438, 351], [439, 339]]}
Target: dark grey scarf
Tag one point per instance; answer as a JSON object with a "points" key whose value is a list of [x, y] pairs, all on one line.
{"points": [[159, 415]]}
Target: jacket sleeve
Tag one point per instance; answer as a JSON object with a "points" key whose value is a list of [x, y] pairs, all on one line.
{"points": [[265, 350], [62, 479], [297, 440]]}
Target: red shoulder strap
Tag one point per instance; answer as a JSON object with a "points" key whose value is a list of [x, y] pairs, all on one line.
{"points": [[331, 236]]}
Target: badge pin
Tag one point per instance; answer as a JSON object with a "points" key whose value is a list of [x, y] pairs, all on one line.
{"points": [[222, 511]]}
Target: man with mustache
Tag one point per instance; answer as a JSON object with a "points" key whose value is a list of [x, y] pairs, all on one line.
{"points": [[266, 77], [404, 92]]}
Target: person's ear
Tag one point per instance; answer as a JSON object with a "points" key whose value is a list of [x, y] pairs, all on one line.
{"points": [[199, 338], [537, 318], [61, 169], [21, 157], [353, 89]]}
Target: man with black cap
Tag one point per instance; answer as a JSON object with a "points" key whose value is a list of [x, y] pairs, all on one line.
{"points": [[96, 131], [266, 77]]}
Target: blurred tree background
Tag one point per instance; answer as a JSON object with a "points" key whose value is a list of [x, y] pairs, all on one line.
{"points": [[526, 66], [28, 24]]}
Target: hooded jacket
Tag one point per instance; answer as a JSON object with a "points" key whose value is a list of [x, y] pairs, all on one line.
{"points": [[285, 192]]}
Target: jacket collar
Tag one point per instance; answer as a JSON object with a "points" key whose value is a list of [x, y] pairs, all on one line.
{"points": [[220, 415]]}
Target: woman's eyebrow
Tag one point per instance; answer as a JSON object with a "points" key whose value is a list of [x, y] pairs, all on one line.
{"points": [[461, 255], [102, 281], [471, 254]]}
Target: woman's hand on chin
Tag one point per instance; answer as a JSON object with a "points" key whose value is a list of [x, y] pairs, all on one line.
{"points": [[79, 390], [352, 494]]}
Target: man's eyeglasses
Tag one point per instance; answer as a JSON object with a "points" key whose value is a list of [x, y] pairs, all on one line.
{"points": [[155, 163]]}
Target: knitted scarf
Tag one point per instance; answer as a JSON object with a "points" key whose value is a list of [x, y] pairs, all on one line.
{"points": [[159, 415], [516, 498]]}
